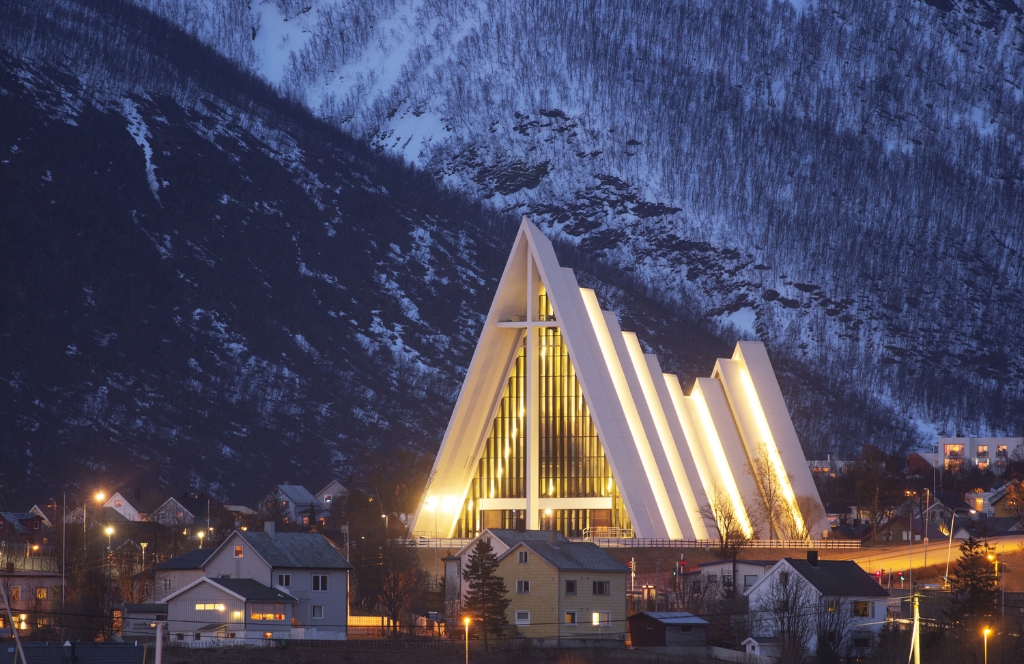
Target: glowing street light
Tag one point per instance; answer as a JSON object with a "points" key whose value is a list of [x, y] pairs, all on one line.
{"points": [[986, 632], [109, 530], [100, 496], [201, 534]]}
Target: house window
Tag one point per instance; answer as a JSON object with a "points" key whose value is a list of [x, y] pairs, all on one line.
{"points": [[523, 557], [602, 587], [862, 609], [784, 578], [601, 618], [15, 594], [196, 636], [209, 607], [982, 451], [268, 635], [522, 587], [327, 498], [320, 582], [117, 503], [318, 612], [1001, 452], [570, 618], [831, 605], [40, 593], [238, 552], [167, 584], [284, 503], [265, 611], [284, 580], [181, 637], [861, 640], [35, 525], [749, 580], [522, 617], [712, 578], [570, 587], [727, 580]]}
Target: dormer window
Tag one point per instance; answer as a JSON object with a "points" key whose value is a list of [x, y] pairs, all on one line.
{"points": [[327, 498], [238, 552], [117, 503]]}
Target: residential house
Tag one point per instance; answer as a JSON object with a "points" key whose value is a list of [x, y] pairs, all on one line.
{"points": [[119, 503], [333, 491], [25, 527], [898, 529], [194, 512], [172, 575], [305, 566], [501, 540], [293, 504], [984, 453], [720, 573], [991, 527], [828, 585], [48, 513], [563, 590], [31, 594], [229, 609], [677, 629], [940, 512], [243, 517], [138, 621]]}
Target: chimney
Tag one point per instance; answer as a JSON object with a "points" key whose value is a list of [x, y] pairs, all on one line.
{"points": [[812, 558], [268, 528]]}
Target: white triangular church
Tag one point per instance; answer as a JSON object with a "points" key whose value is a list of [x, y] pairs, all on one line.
{"points": [[563, 423]]}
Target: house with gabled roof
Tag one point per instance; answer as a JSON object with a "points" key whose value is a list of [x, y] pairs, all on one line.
{"points": [[334, 490], [120, 503], [24, 527], [174, 574], [306, 566], [564, 591], [821, 586], [293, 504], [243, 610]]}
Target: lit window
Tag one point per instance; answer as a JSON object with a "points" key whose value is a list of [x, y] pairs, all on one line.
{"points": [[570, 618], [522, 617], [284, 503], [320, 582], [570, 587], [15, 594], [862, 609], [117, 503], [318, 612], [523, 556], [327, 497], [522, 587], [284, 580], [601, 618], [268, 635], [209, 607], [40, 593], [602, 587], [238, 552], [1001, 451], [262, 611]]}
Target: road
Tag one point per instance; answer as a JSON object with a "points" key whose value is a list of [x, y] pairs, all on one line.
{"points": [[898, 558]]}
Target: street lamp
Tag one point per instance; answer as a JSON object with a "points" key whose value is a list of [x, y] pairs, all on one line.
{"points": [[201, 534], [465, 622], [986, 632], [949, 548], [385, 517], [109, 531]]}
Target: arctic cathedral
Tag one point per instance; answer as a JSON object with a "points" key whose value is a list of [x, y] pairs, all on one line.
{"points": [[564, 423]]}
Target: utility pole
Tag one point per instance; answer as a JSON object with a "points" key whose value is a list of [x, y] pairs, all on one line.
{"points": [[917, 630]]}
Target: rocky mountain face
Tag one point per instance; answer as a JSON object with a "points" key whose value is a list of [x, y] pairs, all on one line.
{"points": [[842, 181], [220, 270]]}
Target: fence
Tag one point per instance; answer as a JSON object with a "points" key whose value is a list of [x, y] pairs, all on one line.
{"points": [[653, 542]]}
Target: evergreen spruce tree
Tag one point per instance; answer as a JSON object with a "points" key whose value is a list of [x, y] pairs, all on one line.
{"points": [[486, 600], [974, 581]]}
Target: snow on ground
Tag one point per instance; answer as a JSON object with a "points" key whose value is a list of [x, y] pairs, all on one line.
{"points": [[137, 128], [277, 38]]}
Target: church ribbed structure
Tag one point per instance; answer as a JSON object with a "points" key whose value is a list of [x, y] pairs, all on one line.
{"points": [[564, 423]]}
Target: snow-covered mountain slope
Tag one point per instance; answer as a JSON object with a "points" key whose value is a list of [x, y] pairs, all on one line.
{"points": [[841, 180]]}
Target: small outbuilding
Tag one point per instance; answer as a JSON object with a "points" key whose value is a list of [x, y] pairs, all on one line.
{"points": [[672, 629], [766, 646]]}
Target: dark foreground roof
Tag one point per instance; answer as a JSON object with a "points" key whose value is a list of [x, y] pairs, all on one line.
{"points": [[566, 555], [76, 653], [299, 550], [838, 578], [191, 560], [673, 617], [253, 590]]}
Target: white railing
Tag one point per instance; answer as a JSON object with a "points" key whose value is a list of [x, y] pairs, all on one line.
{"points": [[654, 542]]}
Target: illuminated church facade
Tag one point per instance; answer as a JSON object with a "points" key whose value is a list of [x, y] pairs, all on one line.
{"points": [[564, 423]]}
